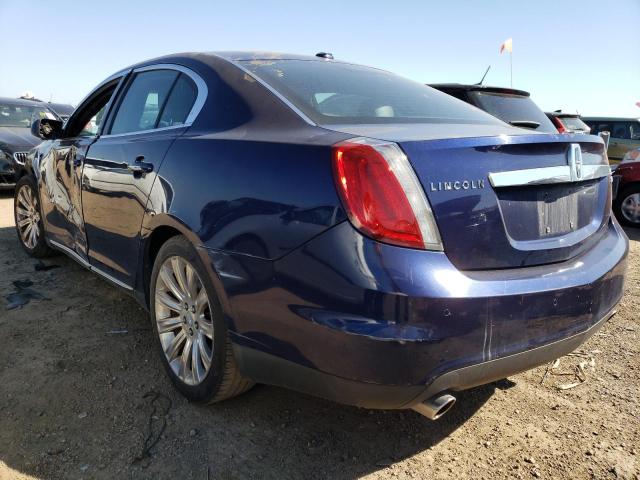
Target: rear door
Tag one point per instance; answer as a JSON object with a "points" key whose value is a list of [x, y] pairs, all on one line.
{"points": [[121, 165]]}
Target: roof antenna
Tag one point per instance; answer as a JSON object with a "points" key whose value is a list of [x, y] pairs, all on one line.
{"points": [[485, 74]]}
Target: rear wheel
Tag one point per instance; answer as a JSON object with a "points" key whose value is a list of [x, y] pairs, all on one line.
{"points": [[189, 327], [29, 226], [627, 206]]}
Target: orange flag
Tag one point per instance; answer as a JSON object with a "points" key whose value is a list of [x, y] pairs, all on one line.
{"points": [[507, 46]]}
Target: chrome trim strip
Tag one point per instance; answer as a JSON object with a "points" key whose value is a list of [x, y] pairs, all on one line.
{"points": [[201, 98], [71, 253], [280, 97], [87, 265], [547, 175], [149, 130], [111, 279]]}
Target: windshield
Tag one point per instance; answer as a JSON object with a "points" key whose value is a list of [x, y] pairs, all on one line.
{"points": [[340, 93], [513, 108], [22, 115], [574, 123]]}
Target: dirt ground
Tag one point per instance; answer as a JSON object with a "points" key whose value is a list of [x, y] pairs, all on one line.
{"points": [[83, 395]]}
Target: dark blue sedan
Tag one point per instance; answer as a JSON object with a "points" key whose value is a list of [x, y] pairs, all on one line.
{"points": [[327, 227]]}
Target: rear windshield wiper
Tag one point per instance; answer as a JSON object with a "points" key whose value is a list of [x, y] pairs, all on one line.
{"points": [[525, 124]]}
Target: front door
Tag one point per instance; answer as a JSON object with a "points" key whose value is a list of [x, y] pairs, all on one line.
{"points": [[61, 171], [122, 165]]}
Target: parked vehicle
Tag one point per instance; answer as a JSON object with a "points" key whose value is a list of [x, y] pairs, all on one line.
{"points": [[626, 176], [508, 104], [625, 134], [568, 122], [16, 116], [327, 227]]}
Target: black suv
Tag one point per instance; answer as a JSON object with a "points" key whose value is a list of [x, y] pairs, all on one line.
{"points": [[508, 104]]}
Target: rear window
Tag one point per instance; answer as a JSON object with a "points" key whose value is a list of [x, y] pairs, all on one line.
{"points": [[574, 123], [340, 93], [513, 108]]}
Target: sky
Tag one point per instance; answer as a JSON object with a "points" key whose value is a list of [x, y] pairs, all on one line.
{"points": [[579, 56]]}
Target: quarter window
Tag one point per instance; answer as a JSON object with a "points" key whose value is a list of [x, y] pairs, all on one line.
{"points": [[181, 100], [143, 101]]}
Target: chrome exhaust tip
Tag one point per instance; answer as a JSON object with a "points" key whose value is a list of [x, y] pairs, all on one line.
{"points": [[436, 406]]}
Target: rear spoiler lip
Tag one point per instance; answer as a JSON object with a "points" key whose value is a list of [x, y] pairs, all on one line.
{"points": [[498, 140]]}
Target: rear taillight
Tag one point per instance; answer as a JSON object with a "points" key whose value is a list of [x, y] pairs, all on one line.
{"points": [[382, 195], [558, 124]]}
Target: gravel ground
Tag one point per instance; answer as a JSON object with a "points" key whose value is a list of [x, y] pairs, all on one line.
{"points": [[83, 395]]}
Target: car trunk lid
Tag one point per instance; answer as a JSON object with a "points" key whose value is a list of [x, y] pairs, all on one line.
{"points": [[507, 200], [514, 201]]}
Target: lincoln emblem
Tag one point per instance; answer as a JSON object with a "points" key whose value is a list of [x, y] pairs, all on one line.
{"points": [[575, 161]]}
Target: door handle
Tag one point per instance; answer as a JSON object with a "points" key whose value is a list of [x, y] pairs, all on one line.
{"points": [[140, 166], [135, 169]]}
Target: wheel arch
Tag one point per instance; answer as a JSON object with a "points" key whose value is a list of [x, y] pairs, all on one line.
{"points": [[157, 232]]}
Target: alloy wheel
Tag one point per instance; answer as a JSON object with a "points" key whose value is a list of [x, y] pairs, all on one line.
{"points": [[630, 208], [184, 320], [27, 216]]}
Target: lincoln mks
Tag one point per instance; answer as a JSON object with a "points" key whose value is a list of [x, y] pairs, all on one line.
{"points": [[327, 227]]}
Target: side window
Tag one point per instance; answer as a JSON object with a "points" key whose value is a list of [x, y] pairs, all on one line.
{"points": [[87, 118], [635, 130], [91, 128], [143, 101], [621, 130], [181, 100]]}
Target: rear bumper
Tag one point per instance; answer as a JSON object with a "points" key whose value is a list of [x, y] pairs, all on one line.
{"points": [[360, 322], [266, 368]]}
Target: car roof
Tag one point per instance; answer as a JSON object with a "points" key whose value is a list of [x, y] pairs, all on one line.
{"points": [[612, 119], [210, 58], [462, 87], [20, 101], [231, 56], [237, 56]]}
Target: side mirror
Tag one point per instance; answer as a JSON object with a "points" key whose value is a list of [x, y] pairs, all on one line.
{"points": [[46, 128], [605, 137]]}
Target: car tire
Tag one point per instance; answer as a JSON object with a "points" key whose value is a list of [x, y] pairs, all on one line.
{"points": [[181, 319], [28, 219], [626, 202]]}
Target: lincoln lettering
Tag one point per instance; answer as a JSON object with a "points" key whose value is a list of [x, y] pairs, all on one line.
{"points": [[457, 185]]}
